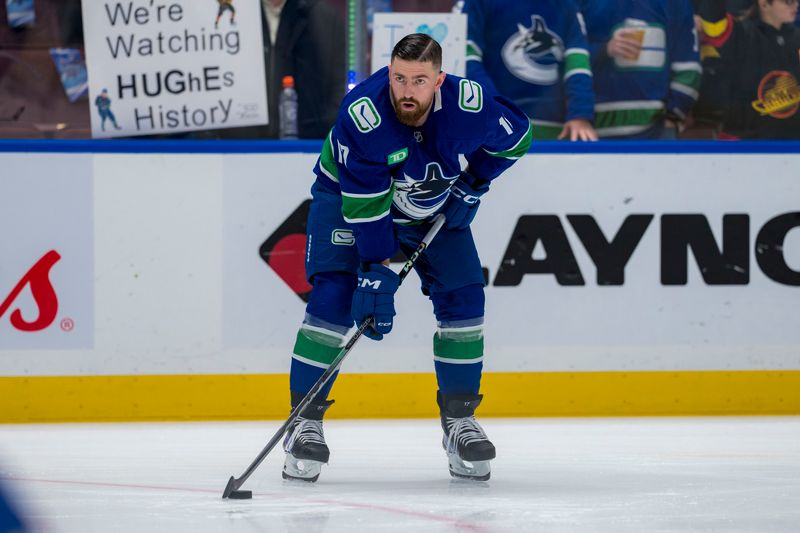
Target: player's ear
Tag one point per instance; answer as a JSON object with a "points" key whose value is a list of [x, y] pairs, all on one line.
{"points": [[440, 79]]}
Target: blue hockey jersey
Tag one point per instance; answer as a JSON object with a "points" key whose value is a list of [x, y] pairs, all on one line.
{"points": [[632, 94], [388, 173], [536, 53]]}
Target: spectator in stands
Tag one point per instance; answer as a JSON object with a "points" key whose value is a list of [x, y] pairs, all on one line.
{"points": [[304, 39], [534, 52], [646, 66], [707, 114], [760, 67]]}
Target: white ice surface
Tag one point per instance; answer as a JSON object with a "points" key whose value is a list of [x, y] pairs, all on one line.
{"points": [[551, 475]]}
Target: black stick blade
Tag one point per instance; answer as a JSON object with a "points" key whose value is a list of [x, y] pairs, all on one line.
{"points": [[241, 495], [230, 488]]}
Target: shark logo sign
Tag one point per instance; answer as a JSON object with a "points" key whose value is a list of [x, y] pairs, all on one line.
{"points": [[533, 54]]}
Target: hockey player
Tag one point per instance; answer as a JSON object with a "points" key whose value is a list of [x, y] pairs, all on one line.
{"points": [[391, 163], [534, 52]]}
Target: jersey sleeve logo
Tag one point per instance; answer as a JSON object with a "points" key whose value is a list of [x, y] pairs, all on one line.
{"points": [[364, 114], [470, 96]]}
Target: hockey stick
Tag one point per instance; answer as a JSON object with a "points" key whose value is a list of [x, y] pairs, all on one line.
{"points": [[232, 488]]}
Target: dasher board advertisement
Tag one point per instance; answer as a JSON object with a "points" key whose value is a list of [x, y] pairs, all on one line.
{"points": [[176, 66], [449, 30], [46, 254]]}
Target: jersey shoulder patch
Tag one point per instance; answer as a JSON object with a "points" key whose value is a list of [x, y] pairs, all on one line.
{"points": [[470, 96], [364, 114]]}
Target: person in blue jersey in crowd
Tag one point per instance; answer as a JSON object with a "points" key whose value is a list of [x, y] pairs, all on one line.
{"points": [[409, 143], [535, 52], [646, 66]]}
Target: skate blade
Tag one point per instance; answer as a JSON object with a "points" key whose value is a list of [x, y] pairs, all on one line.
{"points": [[301, 469], [474, 471]]}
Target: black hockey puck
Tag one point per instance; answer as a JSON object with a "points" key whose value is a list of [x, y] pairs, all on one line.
{"points": [[240, 495]]}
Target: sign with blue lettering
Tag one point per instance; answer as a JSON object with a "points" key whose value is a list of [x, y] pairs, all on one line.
{"points": [[171, 66]]}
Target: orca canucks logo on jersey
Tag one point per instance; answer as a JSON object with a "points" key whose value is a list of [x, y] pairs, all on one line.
{"points": [[534, 54], [420, 198]]}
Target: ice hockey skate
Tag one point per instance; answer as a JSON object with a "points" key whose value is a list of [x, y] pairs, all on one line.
{"points": [[305, 447], [468, 449]]}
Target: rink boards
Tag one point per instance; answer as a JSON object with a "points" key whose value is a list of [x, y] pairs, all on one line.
{"points": [[155, 286]]}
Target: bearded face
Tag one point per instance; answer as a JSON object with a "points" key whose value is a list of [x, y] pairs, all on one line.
{"points": [[409, 110], [413, 85]]}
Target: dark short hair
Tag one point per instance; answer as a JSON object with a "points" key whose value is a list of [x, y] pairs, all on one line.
{"points": [[754, 11], [419, 47]]}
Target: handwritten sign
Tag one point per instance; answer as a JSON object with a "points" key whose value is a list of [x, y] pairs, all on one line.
{"points": [[174, 66]]}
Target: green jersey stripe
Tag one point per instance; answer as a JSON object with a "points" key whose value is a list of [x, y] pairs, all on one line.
{"points": [[546, 132], [519, 149], [326, 161], [687, 77], [625, 117], [310, 350], [576, 59], [473, 50], [463, 351], [358, 208], [366, 219]]}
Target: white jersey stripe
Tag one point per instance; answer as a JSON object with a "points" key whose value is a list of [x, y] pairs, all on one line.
{"points": [[309, 361], [685, 89], [458, 361], [628, 105]]}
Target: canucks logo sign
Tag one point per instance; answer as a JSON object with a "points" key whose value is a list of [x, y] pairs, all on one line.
{"points": [[420, 198], [533, 54]]}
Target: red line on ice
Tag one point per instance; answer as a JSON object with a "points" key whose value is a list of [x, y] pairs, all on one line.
{"points": [[460, 524]]}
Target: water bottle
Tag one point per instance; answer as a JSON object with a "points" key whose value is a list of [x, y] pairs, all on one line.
{"points": [[287, 106]]}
